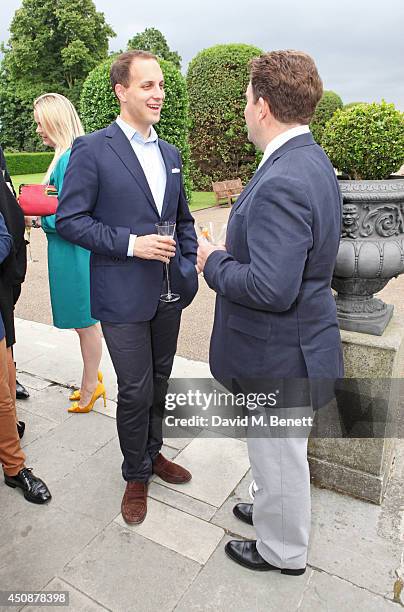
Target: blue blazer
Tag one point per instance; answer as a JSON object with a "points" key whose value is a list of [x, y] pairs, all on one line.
{"points": [[106, 198], [275, 314]]}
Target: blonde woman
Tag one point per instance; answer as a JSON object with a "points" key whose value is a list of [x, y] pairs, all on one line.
{"points": [[69, 271]]}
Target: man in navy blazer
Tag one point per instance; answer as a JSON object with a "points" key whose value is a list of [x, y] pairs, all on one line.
{"points": [[275, 317], [120, 182]]}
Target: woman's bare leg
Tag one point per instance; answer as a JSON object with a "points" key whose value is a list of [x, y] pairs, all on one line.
{"points": [[91, 351]]}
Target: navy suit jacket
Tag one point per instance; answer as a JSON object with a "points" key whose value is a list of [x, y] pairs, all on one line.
{"points": [[275, 315], [105, 198]]}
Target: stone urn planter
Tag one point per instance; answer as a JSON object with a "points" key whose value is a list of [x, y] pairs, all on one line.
{"points": [[366, 143], [370, 254]]}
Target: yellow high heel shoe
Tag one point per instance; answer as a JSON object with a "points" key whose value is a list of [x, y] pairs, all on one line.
{"points": [[99, 391], [75, 396]]}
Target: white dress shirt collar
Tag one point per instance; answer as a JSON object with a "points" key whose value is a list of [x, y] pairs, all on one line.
{"points": [[280, 140], [131, 132]]}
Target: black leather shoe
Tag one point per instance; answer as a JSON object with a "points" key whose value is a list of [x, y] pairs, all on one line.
{"points": [[20, 428], [21, 392], [244, 513], [35, 490], [245, 553]]}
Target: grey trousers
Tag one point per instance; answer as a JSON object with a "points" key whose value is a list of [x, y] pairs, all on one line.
{"points": [[282, 508]]}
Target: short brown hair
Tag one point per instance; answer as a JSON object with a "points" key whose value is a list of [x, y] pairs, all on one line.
{"points": [[120, 69], [289, 82]]}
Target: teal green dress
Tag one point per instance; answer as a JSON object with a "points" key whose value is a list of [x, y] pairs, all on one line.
{"points": [[69, 268]]}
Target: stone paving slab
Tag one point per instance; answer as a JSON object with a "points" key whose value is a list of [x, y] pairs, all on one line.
{"points": [[37, 541], [69, 444], [77, 601], [109, 410], [346, 542], [181, 501], [217, 466], [179, 443], [95, 487], [225, 518], [178, 531], [124, 571], [32, 382], [50, 403], [223, 585], [35, 426], [325, 593]]}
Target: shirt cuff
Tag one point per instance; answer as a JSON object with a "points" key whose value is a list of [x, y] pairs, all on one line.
{"points": [[131, 244]]}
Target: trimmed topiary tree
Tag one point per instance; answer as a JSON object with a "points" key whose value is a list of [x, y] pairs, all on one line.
{"points": [[99, 107], [217, 80], [352, 104], [328, 104], [366, 141]]}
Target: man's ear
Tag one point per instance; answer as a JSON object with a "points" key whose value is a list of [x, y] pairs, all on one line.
{"points": [[264, 108], [120, 92]]}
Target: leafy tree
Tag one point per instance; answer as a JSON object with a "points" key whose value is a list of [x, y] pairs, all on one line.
{"points": [[329, 103], [56, 42], [153, 40], [217, 80], [53, 45], [17, 129]]}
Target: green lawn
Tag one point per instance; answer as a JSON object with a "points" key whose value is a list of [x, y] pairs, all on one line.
{"points": [[200, 199], [26, 178]]}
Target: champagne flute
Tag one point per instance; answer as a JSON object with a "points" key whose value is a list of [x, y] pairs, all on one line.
{"points": [[167, 228], [213, 231]]}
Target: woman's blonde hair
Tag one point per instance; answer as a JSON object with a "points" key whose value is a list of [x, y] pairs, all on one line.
{"points": [[60, 120]]}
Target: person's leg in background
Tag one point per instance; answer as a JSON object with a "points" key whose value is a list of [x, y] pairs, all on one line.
{"points": [[12, 457], [20, 391], [16, 475], [91, 386]]}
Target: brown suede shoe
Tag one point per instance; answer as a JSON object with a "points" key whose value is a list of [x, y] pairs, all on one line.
{"points": [[169, 471], [134, 503]]}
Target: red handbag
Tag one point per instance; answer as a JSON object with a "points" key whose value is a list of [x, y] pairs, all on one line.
{"points": [[38, 200]]}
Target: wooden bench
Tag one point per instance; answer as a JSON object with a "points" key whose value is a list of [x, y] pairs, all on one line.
{"points": [[227, 190]]}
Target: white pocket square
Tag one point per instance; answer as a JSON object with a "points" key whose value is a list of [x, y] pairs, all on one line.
{"points": [[175, 170]]}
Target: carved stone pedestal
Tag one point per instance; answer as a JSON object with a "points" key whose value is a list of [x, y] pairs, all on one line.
{"points": [[370, 254], [369, 407]]}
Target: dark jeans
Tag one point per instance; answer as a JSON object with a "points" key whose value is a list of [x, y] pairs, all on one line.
{"points": [[142, 355]]}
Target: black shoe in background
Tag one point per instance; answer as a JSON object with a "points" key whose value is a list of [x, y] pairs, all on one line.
{"points": [[34, 489], [20, 428], [244, 513], [21, 392]]}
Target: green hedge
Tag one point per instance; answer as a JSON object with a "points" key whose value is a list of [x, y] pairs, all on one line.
{"points": [[99, 107], [217, 80], [328, 104], [28, 163]]}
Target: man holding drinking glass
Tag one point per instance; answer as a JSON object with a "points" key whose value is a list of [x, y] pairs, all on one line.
{"points": [[123, 199]]}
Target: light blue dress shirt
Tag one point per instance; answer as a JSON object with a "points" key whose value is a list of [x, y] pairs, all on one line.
{"points": [[149, 155]]}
